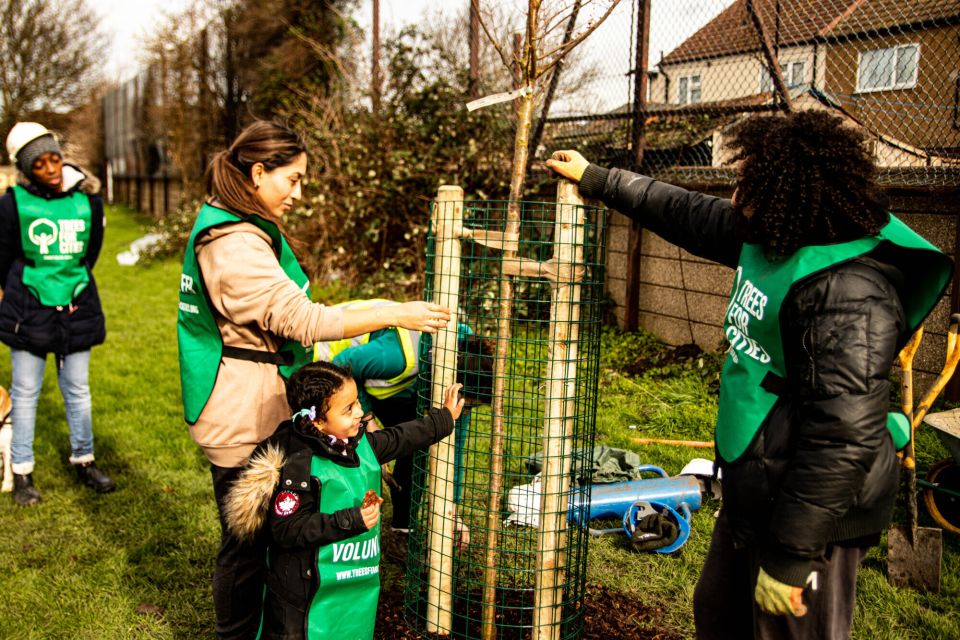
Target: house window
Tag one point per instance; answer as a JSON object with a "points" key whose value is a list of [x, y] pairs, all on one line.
{"points": [[688, 89], [792, 75], [891, 68]]}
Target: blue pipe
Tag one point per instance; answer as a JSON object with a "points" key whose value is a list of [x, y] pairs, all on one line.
{"points": [[678, 496]]}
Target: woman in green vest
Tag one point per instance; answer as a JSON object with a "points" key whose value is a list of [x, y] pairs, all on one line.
{"points": [[51, 231], [828, 288], [245, 321]]}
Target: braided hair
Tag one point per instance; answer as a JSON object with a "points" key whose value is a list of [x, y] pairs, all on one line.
{"points": [[806, 178], [313, 385]]}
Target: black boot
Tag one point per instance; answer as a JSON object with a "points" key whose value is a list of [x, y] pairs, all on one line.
{"points": [[24, 493], [88, 474]]}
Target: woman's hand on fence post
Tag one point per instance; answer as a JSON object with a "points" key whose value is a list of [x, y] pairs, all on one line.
{"points": [[422, 316]]}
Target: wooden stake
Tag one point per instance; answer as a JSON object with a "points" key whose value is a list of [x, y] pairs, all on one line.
{"points": [[696, 444], [447, 227], [560, 414]]}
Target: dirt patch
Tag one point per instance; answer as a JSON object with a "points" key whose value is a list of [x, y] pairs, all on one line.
{"points": [[683, 355], [607, 614]]}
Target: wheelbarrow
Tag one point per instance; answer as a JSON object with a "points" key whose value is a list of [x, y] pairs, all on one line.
{"points": [[914, 552], [941, 486]]}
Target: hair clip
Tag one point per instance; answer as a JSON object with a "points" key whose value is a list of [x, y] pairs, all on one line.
{"points": [[310, 413]]}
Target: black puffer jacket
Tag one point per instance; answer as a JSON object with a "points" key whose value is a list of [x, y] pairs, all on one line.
{"points": [[822, 468], [27, 324]]}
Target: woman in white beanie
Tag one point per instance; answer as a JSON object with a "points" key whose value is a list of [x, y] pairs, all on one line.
{"points": [[51, 231]]}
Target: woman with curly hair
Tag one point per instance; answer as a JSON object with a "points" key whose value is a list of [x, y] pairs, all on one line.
{"points": [[828, 288]]}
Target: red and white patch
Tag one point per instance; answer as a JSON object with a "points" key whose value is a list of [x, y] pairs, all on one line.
{"points": [[286, 503]]}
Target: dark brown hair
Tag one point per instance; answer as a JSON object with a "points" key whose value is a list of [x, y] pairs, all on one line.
{"points": [[228, 176], [313, 385], [806, 178]]}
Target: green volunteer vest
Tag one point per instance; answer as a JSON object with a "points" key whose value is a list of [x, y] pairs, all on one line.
{"points": [[752, 323], [199, 339], [409, 341], [54, 235], [345, 604]]}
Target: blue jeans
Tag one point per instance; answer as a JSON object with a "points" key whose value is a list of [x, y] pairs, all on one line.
{"points": [[24, 393]]}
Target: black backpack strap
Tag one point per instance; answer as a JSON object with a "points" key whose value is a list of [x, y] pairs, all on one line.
{"points": [[775, 384], [282, 358]]}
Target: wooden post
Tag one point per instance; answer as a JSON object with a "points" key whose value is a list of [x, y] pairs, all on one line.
{"points": [[560, 413], [447, 228], [641, 59], [631, 311], [375, 57]]}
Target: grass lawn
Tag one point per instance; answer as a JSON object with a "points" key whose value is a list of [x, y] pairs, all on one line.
{"points": [[136, 563]]}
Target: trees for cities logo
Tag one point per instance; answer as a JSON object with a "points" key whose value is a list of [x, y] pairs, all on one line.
{"points": [[43, 233]]}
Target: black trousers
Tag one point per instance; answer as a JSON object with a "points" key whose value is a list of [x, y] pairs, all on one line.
{"points": [[724, 608], [240, 572]]}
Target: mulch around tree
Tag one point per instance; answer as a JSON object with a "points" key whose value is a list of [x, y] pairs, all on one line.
{"points": [[608, 615]]}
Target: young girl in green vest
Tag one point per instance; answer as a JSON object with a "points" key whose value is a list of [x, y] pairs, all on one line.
{"points": [[51, 231], [828, 287], [244, 321], [385, 365], [314, 488]]}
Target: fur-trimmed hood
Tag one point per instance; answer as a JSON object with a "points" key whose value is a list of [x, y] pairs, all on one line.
{"points": [[73, 177], [247, 501]]}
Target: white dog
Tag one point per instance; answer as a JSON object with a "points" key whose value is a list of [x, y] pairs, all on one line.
{"points": [[6, 435]]}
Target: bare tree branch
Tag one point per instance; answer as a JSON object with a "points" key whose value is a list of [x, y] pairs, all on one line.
{"points": [[493, 41], [560, 51], [554, 81], [50, 56]]}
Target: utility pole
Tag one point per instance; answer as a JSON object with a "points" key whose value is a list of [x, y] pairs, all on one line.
{"points": [[474, 49], [375, 56], [631, 309]]}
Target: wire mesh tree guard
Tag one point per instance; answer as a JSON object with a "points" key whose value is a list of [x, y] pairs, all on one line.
{"points": [[509, 581]]}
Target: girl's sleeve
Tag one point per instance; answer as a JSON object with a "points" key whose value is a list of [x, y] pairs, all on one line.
{"points": [[403, 439], [300, 525]]}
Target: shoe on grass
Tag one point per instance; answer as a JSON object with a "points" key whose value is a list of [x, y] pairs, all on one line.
{"points": [[88, 474], [24, 493]]}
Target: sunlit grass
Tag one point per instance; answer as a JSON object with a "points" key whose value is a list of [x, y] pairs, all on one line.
{"points": [[82, 566]]}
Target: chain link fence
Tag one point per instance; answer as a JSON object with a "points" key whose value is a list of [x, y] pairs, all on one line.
{"points": [[890, 68]]}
